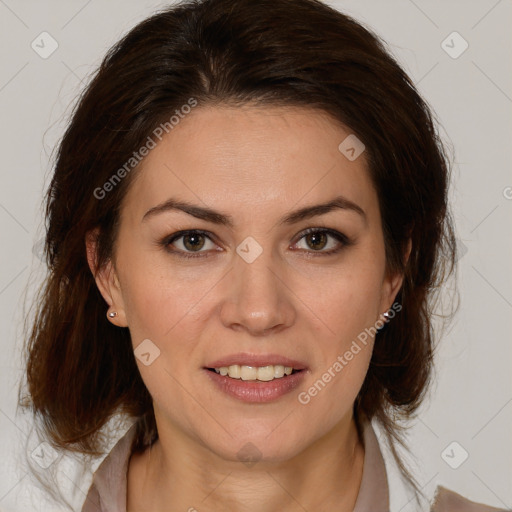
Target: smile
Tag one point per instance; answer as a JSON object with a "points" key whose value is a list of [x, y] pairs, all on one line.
{"points": [[262, 373]]}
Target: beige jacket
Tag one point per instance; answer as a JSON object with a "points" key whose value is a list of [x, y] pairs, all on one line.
{"points": [[108, 489]]}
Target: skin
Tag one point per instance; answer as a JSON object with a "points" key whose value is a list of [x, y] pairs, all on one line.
{"points": [[257, 165]]}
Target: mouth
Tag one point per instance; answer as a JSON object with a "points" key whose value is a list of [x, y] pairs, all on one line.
{"points": [[256, 378], [255, 373]]}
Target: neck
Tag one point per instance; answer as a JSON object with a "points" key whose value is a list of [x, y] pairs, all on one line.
{"points": [[178, 473]]}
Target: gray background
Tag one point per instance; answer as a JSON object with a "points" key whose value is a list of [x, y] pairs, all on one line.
{"points": [[471, 401]]}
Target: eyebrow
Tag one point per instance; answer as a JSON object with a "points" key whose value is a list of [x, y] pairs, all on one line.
{"points": [[210, 215]]}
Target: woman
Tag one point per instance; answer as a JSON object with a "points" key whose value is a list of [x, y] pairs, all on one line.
{"points": [[246, 226]]}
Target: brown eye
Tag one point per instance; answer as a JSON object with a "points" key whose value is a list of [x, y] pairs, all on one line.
{"points": [[193, 242], [316, 240], [187, 243]]}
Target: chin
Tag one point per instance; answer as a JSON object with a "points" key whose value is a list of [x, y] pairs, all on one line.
{"points": [[267, 442]]}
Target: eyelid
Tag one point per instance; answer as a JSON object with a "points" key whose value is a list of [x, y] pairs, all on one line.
{"points": [[168, 240], [343, 239]]}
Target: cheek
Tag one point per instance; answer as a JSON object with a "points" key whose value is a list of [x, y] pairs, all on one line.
{"points": [[347, 302], [345, 298], [163, 306], [160, 295]]}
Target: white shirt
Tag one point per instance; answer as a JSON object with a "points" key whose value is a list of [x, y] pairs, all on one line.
{"points": [[109, 486]]}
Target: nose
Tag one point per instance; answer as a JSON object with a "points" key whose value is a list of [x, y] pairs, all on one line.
{"points": [[258, 299]]}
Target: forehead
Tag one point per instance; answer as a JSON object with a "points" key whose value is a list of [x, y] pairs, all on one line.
{"points": [[269, 158]]}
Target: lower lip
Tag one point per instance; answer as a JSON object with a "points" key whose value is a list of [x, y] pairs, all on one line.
{"points": [[256, 391]]}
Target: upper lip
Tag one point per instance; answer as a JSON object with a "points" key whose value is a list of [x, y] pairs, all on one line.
{"points": [[245, 359]]}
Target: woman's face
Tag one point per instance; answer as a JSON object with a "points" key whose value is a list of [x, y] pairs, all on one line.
{"points": [[250, 287]]}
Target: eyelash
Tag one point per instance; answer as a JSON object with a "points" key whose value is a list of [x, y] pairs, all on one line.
{"points": [[167, 241]]}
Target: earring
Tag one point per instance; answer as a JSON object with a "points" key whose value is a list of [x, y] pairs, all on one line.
{"points": [[112, 314], [386, 316]]}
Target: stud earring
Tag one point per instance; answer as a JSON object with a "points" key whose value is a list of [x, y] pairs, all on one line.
{"points": [[112, 314], [386, 316]]}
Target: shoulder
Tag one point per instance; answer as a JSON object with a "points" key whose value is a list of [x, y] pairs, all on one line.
{"points": [[446, 500], [108, 489], [401, 491]]}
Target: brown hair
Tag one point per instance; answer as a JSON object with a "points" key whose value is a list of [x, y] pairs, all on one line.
{"points": [[81, 369]]}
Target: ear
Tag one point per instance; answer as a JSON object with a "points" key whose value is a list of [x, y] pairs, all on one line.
{"points": [[392, 283], [106, 279]]}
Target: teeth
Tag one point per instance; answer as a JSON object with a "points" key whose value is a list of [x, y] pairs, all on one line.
{"points": [[263, 373], [234, 371], [278, 371], [249, 372]]}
